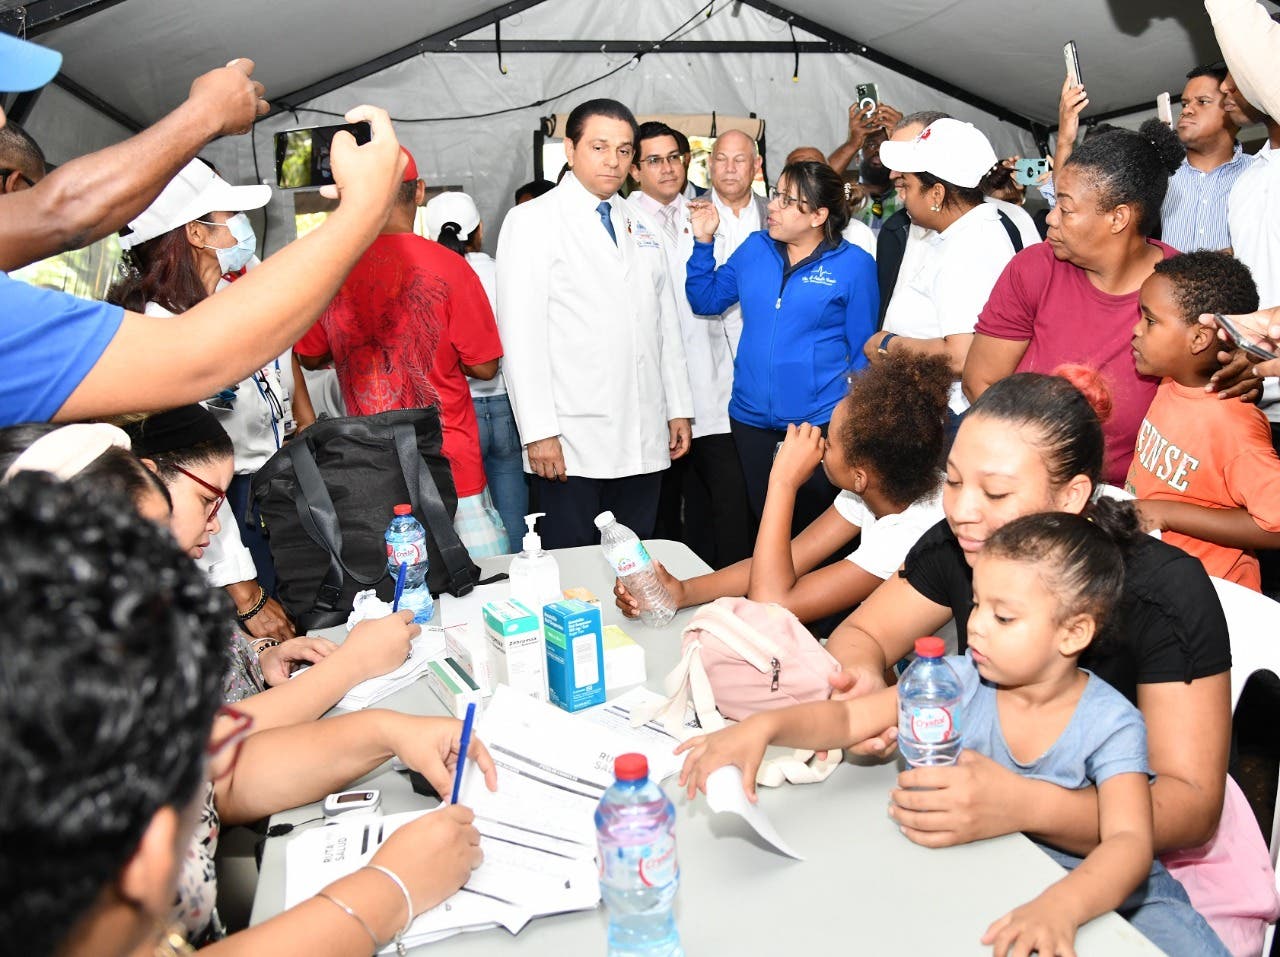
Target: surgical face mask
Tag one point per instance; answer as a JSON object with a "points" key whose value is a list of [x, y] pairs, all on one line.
{"points": [[234, 258]]}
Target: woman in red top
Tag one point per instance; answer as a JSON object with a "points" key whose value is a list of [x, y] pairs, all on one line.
{"points": [[1074, 298]]}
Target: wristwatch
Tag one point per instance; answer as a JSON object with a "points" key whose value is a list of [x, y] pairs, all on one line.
{"points": [[883, 348]]}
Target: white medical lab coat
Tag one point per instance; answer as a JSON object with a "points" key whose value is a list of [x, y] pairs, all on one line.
{"points": [[590, 333]]}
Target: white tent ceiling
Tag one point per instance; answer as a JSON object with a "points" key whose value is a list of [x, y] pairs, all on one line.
{"points": [[996, 63], [138, 56]]}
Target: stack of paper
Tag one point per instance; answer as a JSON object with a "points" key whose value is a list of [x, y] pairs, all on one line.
{"points": [[523, 875], [428, 645]]}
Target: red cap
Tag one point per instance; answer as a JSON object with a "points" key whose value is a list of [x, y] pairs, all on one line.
{"points": [[410, 168], [631, 767], [930, 647], [404, 509]]}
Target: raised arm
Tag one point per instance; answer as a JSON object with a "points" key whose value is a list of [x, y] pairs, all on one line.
{"points": [[150, 363], [87, 198]]}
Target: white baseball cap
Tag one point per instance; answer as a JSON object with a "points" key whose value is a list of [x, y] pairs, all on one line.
{"points": [[451, 207], [956, 152], [196, 191]]}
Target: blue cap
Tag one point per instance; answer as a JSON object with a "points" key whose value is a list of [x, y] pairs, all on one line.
{"points": [[25, 66]]}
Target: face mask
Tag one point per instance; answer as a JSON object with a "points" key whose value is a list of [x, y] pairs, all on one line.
{"points": [[234, 258]]}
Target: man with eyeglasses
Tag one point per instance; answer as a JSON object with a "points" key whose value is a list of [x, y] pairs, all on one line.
{"points": [[593, 357], [1194, 214], [22, 162], [716, 518]]}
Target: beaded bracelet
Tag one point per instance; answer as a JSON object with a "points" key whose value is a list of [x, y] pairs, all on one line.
{"points": [[337, 903], [258, 605]]}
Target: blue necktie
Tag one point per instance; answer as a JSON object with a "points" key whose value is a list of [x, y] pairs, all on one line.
{"points": [[603, 210]]}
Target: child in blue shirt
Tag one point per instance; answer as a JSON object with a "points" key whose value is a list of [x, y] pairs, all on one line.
{"points": [[1043, 587]]}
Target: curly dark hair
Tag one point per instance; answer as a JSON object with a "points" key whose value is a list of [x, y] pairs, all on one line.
{"points": [[1128, 168], [1085, 565], [896, 423], [1209, 281], [110, 676]]}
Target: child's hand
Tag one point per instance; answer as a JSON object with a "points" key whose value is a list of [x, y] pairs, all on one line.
{"points": [[800, 454], [1037, 927], [741, 745]]}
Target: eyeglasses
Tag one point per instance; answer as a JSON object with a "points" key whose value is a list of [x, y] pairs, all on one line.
{"points": [[653, 162], [6, 173], [785, 200], [220, 494], [222, 752]]}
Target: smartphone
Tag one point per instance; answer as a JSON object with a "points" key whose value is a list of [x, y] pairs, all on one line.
{"points": [[1164, 109], [1244, 340], [1028, 170], [302, 156], [868, 98], [1072, 58]]}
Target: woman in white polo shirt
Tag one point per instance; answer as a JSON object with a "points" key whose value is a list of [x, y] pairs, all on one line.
{"points": [[957, 250], [190, 242]]}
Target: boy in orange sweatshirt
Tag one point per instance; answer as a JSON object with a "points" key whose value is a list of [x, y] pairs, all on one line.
{"points": [[1204, 469]]}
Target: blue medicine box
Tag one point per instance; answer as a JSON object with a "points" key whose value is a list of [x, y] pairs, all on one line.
{"points": [[575, 654]]}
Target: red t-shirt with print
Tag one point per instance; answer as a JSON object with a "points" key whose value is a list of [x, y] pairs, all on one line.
{"points": [[409, 316]]}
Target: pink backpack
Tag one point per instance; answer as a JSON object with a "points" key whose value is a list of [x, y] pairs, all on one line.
{"points": [[740, 657]]}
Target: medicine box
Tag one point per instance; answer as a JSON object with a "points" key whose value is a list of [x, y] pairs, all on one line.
{"points": [[468, 646], [575, 654], [623, 660], [452, 685], [516, 648]]}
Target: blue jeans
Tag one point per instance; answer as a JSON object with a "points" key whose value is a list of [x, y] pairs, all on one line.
{"points": [[1162, 912], [500, 449]]}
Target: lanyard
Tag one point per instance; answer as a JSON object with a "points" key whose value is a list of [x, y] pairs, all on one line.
{"points": [[274, 405]]}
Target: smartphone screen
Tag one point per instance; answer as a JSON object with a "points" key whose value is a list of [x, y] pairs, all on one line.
{"points": [[1072, 58], [1164, 109], [302, 156], [1248, 341]]}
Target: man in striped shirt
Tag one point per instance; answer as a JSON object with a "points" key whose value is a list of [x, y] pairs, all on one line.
{"points": [[1194, 214]]}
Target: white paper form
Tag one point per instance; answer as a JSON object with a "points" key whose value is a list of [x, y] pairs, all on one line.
{"points": [[651, 739], [427, 646], [520, 878], [725, 794]]}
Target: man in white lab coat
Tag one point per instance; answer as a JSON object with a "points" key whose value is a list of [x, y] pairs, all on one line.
{"points": [[594, 361], [717, 524]]}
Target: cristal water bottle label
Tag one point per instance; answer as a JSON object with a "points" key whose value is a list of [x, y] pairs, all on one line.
{"points": [[406, 553], [931, 725], [654, 863], [629, 557]]}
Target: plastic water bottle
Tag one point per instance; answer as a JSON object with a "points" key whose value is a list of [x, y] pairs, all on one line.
{"points": [[633, 566], [407, 544], [635, 830], [929, 696]]}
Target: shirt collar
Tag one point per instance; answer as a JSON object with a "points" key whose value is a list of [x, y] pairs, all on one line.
{"points": [[651, 205], [579, 195]]}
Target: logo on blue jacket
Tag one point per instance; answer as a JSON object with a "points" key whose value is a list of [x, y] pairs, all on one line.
{"points": [[820, 276]]}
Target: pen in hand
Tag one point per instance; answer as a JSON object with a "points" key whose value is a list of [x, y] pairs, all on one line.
{"points": [[463, 747], [400, 576]]}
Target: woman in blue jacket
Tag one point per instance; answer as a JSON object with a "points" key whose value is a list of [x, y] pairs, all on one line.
{"points": [[809, 301]]}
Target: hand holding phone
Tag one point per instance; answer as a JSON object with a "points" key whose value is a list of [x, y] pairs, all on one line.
{"points": [[1029, 171], [1252, 342], [868, 99], [303, 156], [1072, 58]]}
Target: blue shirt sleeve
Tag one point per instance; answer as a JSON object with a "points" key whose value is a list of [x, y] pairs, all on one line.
{"points": [[48, 343], [710, 290], [863, 308], [1119, 732]]}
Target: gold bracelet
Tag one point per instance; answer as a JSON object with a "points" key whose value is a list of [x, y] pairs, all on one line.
{"points": [[337, 903], [259, 603]]}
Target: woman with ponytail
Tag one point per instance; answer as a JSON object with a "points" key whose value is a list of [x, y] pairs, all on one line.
{"points": [[1074, 298], [1034, 443]]}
